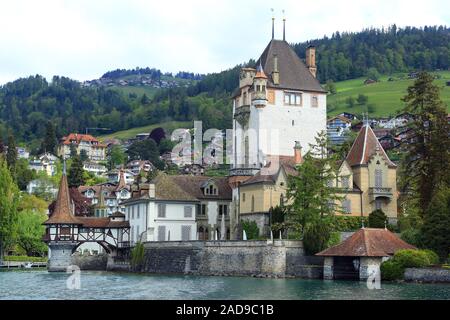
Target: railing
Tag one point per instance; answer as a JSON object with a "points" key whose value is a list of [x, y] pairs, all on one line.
{"points": [[244, 170], [380, 192]]}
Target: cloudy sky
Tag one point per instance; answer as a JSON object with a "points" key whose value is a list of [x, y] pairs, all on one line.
{"points": [[83, 39]]}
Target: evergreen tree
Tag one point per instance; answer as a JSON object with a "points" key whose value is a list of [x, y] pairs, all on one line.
{"points": [[436, 224], [377, 219], [9, 201], [11, 156], [75, 176], [73, 151], [116, 156], [2, 147], [426, 158], [84, 155], [50, 141]]}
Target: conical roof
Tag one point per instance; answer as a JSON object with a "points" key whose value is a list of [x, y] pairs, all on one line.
{"points": [[365, 146], [122, 183], [63, 209]]}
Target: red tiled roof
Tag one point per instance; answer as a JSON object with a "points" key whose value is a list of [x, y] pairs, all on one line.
{"points": [[365, 146], [78, 138], [91, 222], [368, 242]]}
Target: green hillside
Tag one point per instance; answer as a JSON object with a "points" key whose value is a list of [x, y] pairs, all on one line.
{"points": [[384, 96], [130, 133]]}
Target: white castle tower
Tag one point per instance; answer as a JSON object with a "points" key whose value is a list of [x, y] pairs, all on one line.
{"points": [[278, 103]]}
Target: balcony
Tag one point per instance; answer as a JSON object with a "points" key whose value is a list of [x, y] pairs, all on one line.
{"points": [[242, 114], [377, 192], [259, 99]]}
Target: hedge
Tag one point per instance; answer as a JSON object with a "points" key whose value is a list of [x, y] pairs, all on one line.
{"points": [[394, 268], [391, 270], [24, 259], [348, 223]]}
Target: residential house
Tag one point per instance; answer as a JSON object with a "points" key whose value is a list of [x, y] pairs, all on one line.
{"points": [[114, 176], [95, 168], [138, 166], [337, 128], [45, 162], [95, 150], [161, 211]]}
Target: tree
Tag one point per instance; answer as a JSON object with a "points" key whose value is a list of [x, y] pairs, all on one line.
{"points": [[316, 237], [2, 147], [23, 174], [426, 157], [30, 232], [373, 74], [9, 200], [76, 173], [146, 150], [436, 224], [116, 157], [73, 150], [11, 156], [330, 86], [362, 99], [377, 219], [350, 101], [166, 145], [157, 135], [50, 141], [84, 155], [309, 192]]}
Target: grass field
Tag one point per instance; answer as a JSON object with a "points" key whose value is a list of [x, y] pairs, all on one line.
{"points": [[130, 133], [384, 95], [138, 90]]}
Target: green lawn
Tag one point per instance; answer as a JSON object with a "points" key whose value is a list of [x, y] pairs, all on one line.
{"points": [[384, 95], [130, 133]]}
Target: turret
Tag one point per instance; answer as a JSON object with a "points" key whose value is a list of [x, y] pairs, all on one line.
{"points": [[259, 99]]}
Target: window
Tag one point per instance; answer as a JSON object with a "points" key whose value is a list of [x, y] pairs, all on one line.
{"points": [[345, 182], [203, 210], [243, 197], [138, 211], [291, 98], [378, 204], [187, 211], [161, 210], [223, 209], [314, 101], [132, 212], [253, 203], [347, 206], [161, 233], [378, 178], [185, 233]]}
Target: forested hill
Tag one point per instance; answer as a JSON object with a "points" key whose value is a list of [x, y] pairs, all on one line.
{"points": [[27, 104]]}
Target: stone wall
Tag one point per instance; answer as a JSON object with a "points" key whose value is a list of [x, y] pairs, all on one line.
{"points": [[427, 275], [90, 262], [279, 258]]}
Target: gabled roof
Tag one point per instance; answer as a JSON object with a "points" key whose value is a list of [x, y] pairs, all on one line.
{"points": [[365, 146], [294, 74], [368, 242], [62, 214], [269, 173]]}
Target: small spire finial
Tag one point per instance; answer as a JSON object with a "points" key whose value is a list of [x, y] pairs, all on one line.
{"points": [[273, 24], [284, 27]]}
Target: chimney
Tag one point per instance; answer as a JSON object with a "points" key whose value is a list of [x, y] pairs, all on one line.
{"points": [[298, 153], [275, 73], [151, 190], [311, 60]]}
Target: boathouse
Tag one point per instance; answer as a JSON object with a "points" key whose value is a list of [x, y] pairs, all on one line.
{"points": [[361, 255]]}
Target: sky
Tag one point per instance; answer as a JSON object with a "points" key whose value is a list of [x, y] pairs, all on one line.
{"points": [[82, 39]]}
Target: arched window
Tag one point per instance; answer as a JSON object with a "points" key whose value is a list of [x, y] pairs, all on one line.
{"points": [[253, 203]]}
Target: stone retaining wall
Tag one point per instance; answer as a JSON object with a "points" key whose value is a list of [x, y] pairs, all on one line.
{"points": [[278, 258], [427, 275], [88, 262]]}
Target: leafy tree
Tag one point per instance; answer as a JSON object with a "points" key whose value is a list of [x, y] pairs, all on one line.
{"points": [[11, 156], [350, 101], [330, 86], [157, 135], [9, 200], [73, 151], [166, 145], [362, 99], [436, 224], [30, 232], [426, 158], [116, 157], [152, 174], [316, 237], [373, 74], [251, 229], [146, 150], [50, 141], [23, 174], [75, 176], [377, 219], [2, 147], [84, 155]]}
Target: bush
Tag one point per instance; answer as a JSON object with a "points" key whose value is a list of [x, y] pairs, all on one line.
{"points": [[335, 238], [377, 219], [316, 237], [410, 258], [346, 224], [137, 255], [391, 270], [432, 256], [251, 229]]}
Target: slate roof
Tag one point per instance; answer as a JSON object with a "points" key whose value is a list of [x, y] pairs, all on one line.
{"points": [[91, 222], [269, 173], [364, 147], [194, 185], [294, 74], [368, 242]]}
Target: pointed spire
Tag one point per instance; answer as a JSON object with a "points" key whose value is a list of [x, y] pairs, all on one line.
{"points": [[273, 24], [122, 182]]}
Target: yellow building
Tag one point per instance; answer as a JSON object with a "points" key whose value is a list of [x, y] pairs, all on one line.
{"points": [[366, 181]]}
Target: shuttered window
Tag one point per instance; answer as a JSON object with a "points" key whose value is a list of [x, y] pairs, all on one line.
{"points": [[185, 233], [161, 233], [378, 178], [347, 206], [161, 210], [187, 211]]}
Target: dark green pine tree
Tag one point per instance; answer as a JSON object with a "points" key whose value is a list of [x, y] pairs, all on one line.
{"points": [[427, 156], [75, 176], [436, 225], [11, 156], [2, 147], [50, 141]]}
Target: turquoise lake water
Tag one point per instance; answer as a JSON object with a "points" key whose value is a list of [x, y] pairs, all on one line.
{"points": [[39, 284]]}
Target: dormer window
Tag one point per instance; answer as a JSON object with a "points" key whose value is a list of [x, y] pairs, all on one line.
{"points": [[211, 190]]}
